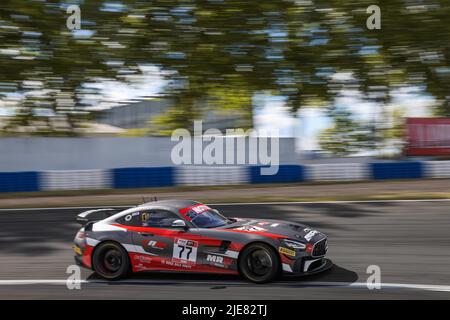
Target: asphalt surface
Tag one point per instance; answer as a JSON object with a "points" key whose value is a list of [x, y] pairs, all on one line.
{"points": [[409, 241]]}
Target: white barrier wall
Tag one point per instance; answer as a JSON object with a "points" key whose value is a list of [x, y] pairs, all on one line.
{"points": [[437, 169], [207, 175], [151, 177], [39, 154], [76, 179], [337, 172]]}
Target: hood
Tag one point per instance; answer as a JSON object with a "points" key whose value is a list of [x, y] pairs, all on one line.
{"points": [[292, 230]]}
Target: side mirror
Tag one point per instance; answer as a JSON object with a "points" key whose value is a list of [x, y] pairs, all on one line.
{"points": [[179, 224]]}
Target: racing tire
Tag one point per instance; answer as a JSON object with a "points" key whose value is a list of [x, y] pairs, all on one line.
{"points": [[259, 263], [110, 261]]}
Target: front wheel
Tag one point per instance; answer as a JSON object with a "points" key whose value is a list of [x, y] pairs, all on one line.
{"points": [[110, 261], [259, 263]]}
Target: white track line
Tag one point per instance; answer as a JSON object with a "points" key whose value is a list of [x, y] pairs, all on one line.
{"points": [[37, 281], [244, 204], [358, 285], [363, 285]]}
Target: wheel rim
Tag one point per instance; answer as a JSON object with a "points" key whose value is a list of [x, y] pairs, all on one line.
{"points": [[259, 262], [111, 261]]}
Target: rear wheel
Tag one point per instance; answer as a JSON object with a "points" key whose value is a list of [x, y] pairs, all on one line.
{"points": [[259, 263], [110, 261]]}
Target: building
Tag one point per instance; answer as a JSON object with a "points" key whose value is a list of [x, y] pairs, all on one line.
{"points": [[139, 115]]}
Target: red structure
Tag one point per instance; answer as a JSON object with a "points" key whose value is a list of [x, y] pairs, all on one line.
{"points": [[428, 136]]}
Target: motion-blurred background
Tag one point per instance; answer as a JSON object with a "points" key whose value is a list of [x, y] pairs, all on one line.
{"points": [[106, 96], [359, 92]]}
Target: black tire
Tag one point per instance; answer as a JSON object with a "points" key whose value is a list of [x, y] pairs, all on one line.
{"points": [[110, 261], [259, 263]]}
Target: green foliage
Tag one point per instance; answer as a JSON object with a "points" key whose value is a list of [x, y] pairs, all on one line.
{"points": [[346, 136], [223, 51]]}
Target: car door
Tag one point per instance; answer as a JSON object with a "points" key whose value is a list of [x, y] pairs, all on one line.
{"points": [[156, 241]]}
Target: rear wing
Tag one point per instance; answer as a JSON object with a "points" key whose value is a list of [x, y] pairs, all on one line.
{"points": [[95, 215]]}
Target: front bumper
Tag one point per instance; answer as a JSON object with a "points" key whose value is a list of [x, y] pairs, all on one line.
{"points": [[308, 264], [308, 261], [306, 267]]}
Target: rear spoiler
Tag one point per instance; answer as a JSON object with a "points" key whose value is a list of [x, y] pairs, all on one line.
{"points": [[95, 215]]}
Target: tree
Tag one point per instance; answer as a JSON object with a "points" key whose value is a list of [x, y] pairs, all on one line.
{"points": [[291, 48], [346, 136]]}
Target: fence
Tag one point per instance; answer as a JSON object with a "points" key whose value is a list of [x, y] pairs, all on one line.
{"points": [[121, 178]]}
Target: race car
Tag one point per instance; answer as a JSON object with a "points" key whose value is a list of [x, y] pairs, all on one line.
{"points": [[188, 236]]}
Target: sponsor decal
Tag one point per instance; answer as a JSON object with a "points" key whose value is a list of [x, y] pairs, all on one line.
{"points": [[218, 261], [176, 264], [191, 212], [128, 217], [200, 208], [143, 259], [77, 250], [154, 244], [214, 258], [310, 234], [252, 229], [286, 251], [274, 224], [229, 255], [185, 250]]}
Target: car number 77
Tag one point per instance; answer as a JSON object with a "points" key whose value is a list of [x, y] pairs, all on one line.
{"points": [[180, 256], [183, 251]]}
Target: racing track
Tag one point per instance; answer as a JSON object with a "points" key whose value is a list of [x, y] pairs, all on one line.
{"points": [[410, 242]]}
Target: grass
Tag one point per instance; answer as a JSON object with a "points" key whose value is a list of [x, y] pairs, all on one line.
{"points": [[133, 196], [148, 192]]}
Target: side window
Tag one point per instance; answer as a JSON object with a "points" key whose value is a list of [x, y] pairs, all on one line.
{"points": [[158, 218]]}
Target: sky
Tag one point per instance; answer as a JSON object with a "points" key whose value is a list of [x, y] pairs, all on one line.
{"points": [[112, 92], [271, 112]]}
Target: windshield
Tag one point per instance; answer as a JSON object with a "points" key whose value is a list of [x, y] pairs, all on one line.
{"points": [[209, 219]]}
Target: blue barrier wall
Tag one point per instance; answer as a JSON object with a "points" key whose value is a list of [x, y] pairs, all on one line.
{"points": [[205, 175], [19, 181], [397, 170], [286, 173], [143, 177]]}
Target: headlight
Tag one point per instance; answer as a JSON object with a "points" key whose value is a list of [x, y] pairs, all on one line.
{"points": [[294, 244]]}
